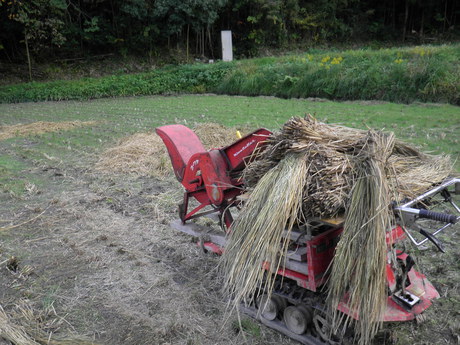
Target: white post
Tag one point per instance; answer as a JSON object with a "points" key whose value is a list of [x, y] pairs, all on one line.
{"points": [[227, 49]]}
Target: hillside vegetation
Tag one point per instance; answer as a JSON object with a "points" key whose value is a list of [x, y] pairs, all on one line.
{"points": [[423, 73]]}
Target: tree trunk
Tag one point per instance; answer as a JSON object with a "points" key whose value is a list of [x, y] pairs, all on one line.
{"points": [[203, 41], [445, 18], [394, 16], [406, 15], [28, 55], [422, 22], [210, 42], [188, 38]]}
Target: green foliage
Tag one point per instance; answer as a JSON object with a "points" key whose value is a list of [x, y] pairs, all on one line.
{"points": [[185, 79], [41, 20], [424, 73], [58, 28]]}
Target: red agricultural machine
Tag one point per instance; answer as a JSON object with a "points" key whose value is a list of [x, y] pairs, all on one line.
{"points": [[296, 307]]}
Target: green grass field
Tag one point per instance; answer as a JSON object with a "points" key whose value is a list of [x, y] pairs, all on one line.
{"points": [[432, 127]]}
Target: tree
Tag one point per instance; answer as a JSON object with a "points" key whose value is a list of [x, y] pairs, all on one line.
{"points": [[177, 15], [41, 24]]}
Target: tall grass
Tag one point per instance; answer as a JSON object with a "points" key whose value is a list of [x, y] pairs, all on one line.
{"points": [[428, 74], [423, 73]]}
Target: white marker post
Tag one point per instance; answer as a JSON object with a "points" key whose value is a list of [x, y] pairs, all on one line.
{"points": [[227, 48]]}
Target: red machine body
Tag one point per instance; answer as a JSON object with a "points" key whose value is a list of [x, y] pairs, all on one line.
{"points": [[210, 178]]}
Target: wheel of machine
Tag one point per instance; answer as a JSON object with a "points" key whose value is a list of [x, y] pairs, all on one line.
{"points": [[322, 326], [270, 308], [297, 318]]}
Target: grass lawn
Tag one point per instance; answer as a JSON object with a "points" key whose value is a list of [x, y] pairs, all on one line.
{"points": [[432, 127]]}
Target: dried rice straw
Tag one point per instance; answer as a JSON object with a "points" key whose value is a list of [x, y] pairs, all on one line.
{"points": [[358, 269], [30, 333], [256, 235], [40, 127], [12, 332], [144, 154]]}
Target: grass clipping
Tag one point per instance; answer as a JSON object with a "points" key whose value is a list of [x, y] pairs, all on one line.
{"points": [[311, 169], [40, 127]]}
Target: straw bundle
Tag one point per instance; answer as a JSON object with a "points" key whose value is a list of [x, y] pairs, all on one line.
{"points": [[329, 148], [360, 259], [334, 170], [258, 232]]}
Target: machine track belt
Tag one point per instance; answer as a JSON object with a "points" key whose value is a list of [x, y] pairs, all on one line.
{"points": [[306, 339]]}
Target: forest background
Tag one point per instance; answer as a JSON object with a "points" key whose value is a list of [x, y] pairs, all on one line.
{"points": [[171, 31]]}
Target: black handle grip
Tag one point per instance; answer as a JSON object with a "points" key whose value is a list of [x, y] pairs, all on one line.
{"points": [[442, 217], [433, 239]]}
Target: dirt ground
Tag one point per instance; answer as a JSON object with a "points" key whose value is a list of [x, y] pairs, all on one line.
{"points": [[101, 262]]}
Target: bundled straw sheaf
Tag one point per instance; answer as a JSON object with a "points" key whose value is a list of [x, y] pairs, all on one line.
{"points": [[360, 259], [257, 235], [315, 170], [329, 148]]}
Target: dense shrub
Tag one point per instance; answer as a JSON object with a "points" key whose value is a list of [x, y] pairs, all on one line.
{"points": [[424, 73]]}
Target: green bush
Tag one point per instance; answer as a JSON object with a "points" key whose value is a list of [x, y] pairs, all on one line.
{"points": [[423, 73]]}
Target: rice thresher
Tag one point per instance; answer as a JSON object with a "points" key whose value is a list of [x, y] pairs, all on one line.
{"points": [[213, 188]]}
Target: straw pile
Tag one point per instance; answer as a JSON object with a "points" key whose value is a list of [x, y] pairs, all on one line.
{"points": [[40, 127], [12, 332], [214, 135], [144, 154], [30, 333], [329, 149], [335, 170]]}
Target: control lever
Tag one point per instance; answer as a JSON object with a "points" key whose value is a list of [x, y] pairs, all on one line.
{"points": [[422, 213], [433, 239]]}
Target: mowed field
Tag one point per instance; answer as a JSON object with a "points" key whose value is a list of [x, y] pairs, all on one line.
{"points": [[95, 257]]}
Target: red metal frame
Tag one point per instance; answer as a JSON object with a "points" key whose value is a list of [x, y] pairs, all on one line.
{"points": [[207, 175]]}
